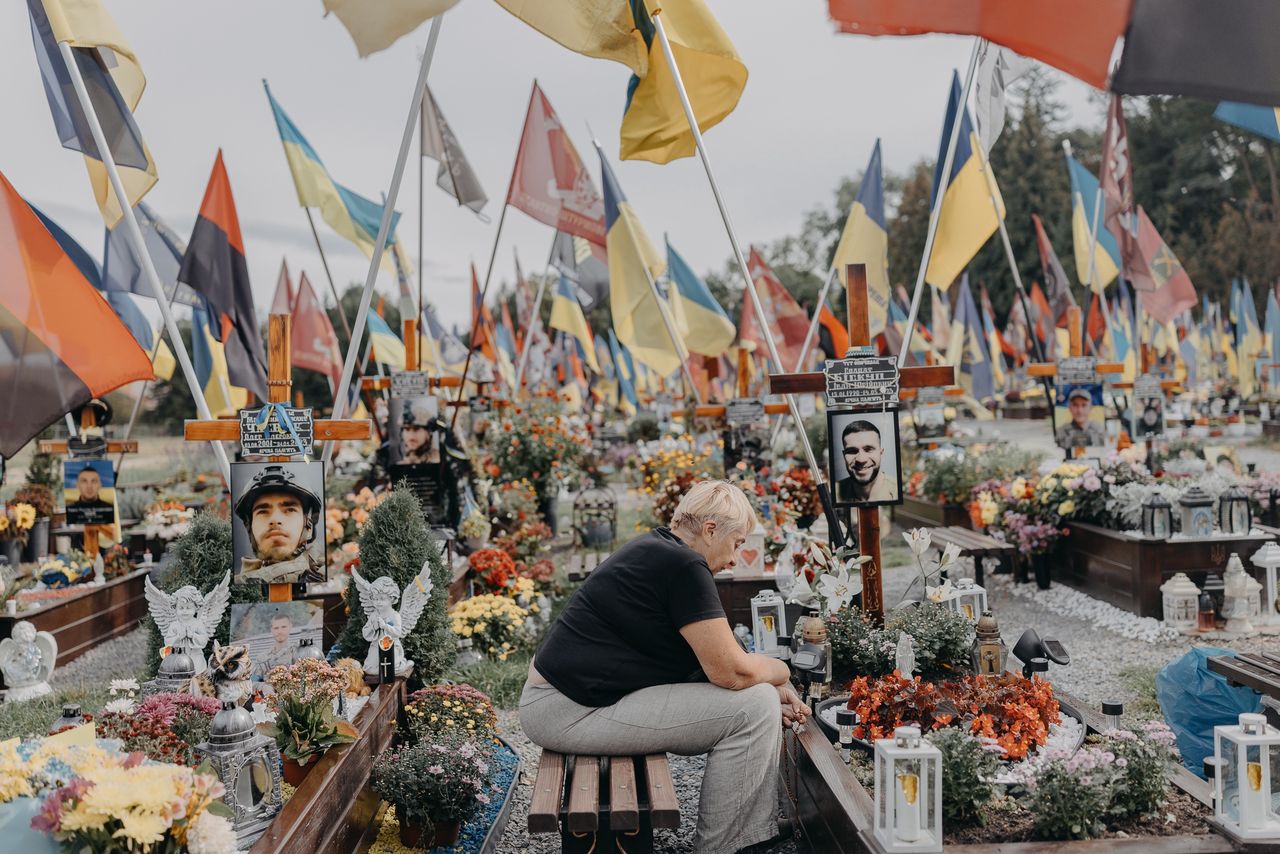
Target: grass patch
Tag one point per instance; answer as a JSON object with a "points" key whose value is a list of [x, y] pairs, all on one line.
{"points": [[1139, 683], [501, 680], [34, 717]]}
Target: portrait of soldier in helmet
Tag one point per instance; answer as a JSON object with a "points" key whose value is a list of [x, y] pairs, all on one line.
{"points": [[278, 528], [416, 426]]}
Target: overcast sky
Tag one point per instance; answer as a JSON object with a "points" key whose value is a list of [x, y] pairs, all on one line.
{"points": [[813, 107]]}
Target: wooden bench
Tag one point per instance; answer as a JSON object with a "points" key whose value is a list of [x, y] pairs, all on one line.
{"points": [[584, 563], [603, 803], [977, 546]]}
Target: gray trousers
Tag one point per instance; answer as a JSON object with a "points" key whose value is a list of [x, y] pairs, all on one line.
{"points": [[740, 731]]}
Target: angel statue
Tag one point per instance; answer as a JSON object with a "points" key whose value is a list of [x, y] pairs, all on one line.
{"points": [[27, 659], [382, 620], [187, 618]]}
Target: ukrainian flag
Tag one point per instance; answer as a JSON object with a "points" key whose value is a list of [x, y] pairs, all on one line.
{"points": [[710, 332], [351, 215], [1084, 191], [1273, 339], [967, 218], [865, 240], [1122, 343], [387, 346], [567, 316], [626, 371], [210, 363], [1264, 121], [994, 350], [1248, 338]]}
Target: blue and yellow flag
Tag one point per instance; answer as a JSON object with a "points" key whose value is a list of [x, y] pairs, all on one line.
{"points": [[1264, 121], [1248, 337], [567, 316], [387, 346], [1273, 341], [1084, 191], [967, 218], [865, 240], [210, 363], [709, 331], [626, 371]]}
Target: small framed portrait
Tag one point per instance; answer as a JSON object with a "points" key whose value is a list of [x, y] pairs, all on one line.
{"points": [[1148, 417], [414, 430], [866, 467], [276, 632], [931, 421], [1080, 416], [89, 490], [428, 482], [277, 522]]}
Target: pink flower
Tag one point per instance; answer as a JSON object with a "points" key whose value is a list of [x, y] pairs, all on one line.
{"points": [[435, 769], [482, 797]]}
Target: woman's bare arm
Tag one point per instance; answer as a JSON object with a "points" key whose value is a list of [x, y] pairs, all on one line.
{"points": [[725, 662]]}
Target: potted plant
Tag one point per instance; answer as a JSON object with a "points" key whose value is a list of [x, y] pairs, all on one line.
{"points": [[475, 529], [39, 496], [435, 787], [304, 730], [16, 521]]}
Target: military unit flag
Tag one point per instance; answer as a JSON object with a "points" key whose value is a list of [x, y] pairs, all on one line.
{"points": [[455, 175]]}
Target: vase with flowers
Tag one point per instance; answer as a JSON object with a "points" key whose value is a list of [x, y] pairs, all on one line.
{"points": [[435, 786], [16, 522], [39, 496]]}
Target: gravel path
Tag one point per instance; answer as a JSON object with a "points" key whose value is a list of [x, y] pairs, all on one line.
{"points": [[121, 658]]}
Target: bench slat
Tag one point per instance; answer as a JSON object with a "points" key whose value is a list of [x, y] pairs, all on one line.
{"points": [[624, 800], [584, 795], [548, 787], [664, 808]]}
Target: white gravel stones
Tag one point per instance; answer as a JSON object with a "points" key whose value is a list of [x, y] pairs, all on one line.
{"points": [[1072, 603]]}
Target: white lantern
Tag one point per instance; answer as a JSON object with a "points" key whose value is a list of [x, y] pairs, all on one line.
{"points": [[768, 621], [968, 598], [1241, 597], [908, 802], [1243, 788], [751, 556], [1181, 603], [1268, 557]]}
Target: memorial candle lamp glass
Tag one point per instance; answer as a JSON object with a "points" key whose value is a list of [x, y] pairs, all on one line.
{"points": [[248, 764], [1157, 517], [1196, 508], [1244, 788], [1181, 599], [968, 598], [1234, 516], [1268, 558], [768, 621], [908, 799]]}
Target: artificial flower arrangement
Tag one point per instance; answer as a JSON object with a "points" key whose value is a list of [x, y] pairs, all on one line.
{"points": [[63, 570], [306, 679], [441, 711], [493, 568], [475, 526], [165, 727], [167, 519], [495, 624], [796, 491], [525, 542], [537, 443], [39, 496], [17, 518]]}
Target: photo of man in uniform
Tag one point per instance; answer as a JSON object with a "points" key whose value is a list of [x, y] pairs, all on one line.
{"points": [[418, 428], [281, 517], [1150, 417], [1083, 427], [89, 501], [862, 448], [283, 650]]}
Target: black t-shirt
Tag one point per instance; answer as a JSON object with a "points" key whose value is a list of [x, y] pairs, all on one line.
{"points": [[621, 631]]}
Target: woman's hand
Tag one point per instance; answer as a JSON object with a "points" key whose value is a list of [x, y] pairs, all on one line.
{"points": [[794, 711]]}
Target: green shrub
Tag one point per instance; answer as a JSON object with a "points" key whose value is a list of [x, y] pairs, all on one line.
{"points": [[1143, 757], [967, 768], [643, 428], [940, 637]]}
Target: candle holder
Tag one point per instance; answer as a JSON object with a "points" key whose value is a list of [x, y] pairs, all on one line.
{"points": [[1196, 508], [1234, 517], [768, 621], [968, 598], [1268, 558], [1180, 598], [908, 800], [1244, 786], [1157, 517]]}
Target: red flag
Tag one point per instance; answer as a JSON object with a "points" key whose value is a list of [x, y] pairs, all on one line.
{"points": [[1042, 319], [1174, 292], [1097, 324], [549, 182], [481, 322], [832, 334], [1017, 333], [1055, 279], [315, 345], [787, 320], [285, 298], [1117, 196]]}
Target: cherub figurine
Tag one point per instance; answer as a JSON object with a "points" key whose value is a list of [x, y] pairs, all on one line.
{"points": [[27, 659], [187, 618], [382, 620]]}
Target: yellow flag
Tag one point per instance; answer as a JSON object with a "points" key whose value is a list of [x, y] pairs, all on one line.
{"points": [[375, 25]]}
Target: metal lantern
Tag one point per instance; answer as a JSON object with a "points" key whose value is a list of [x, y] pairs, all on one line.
{"points": [[595, 518], [1197, 512], [1241, 597], [908, 801], [1244, 787], [248, 764], [1234, 516], [174, 675], [1181, 600], [968, 598], [768, 621], [989, 653], [1268, 557], [1157, 517]]}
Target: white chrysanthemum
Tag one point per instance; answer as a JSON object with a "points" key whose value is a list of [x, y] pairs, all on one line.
{"points": [[211, 834], [121, 706]]}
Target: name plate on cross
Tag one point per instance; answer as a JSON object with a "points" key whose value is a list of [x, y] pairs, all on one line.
{"points": [[1148, 386], [276, 430], [930, 396], [862, 382], [744, 410], [479, 405], [410, 384], [1078, 370]]}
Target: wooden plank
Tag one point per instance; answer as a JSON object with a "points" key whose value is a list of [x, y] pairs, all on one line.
{"points": [[911, 393], [548, 792], [855, 290], [624, 800], [664, 808], [279, 352], [227, 430], [584, 795], [380, 383], [114, 446], [1138, 845]]}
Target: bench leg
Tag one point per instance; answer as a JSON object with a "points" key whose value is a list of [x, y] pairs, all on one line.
{"points": [[607, 841]]}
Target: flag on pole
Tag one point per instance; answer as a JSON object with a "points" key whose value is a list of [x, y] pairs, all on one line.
{"points": [[966, 348], [283, 300], [939, 313], [482, 325], [388, 349], [315, 344], [710, 331], [865, 240], [1058, 299], [585, 263], [1264, 121], [1174, 292], [833, 336], [787, 320], [1273, 340], [122, 269], [550, 182], [1248, 338], [214, 267], [626, 375], [208, 357], [114, 80], [455, 175], [567, 316], [998, 68], [1084, 192], [378, 25], [993, 339], [1119, 213], [967, 218]]}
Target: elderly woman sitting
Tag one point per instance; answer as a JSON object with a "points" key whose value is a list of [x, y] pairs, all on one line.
{"points": [[643, 661]]}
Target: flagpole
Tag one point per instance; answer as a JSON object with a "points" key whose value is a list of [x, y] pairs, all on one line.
{"points": [[819, 476], [139, 246], [935, 214], [535, 322], [421, 315], [384, 229], [137, 404]]}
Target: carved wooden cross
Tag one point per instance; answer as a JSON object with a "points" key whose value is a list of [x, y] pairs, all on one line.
{"points": [[89, 420], [908, 378]]}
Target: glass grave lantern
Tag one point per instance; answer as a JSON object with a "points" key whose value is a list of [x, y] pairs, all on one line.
{"points": [[1241, 598], [968, 598], [1233, 512], [248, 764], [1196, 508], [595, 518], [1268, 558], [1244, 788], [1181, 600], [989, 654], [174, 675], [1157, 517], [908, 799], [768, 621]]}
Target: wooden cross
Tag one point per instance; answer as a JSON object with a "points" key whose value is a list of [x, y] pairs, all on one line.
{"points": [[279, 382], [908, 378], [89, 420]]}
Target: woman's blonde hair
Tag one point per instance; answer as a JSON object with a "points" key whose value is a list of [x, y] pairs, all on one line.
{"points": [[714, 501]]}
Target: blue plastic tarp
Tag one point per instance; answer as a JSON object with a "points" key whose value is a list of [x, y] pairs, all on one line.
{"points": [[1195, 700]]}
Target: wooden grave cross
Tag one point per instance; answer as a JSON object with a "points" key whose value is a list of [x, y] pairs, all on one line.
{"points": [[279, 382], [908, 378]]}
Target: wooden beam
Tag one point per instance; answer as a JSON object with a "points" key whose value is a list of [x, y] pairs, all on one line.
{"points": [[855, 290], [279, 352], [816, 381], [714, 410], [1045, 369], [115, 446], [379, 383], [950, 391], [744, 363], [1167, 385], [225, 430], [410, 336]]}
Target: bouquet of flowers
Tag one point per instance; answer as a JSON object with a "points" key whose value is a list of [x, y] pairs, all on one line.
{"points": [[535, 443], [166, 727], [454, 712], [344, 519], [796, 491], [514, 504], [1031, 535], [541, 572], [1056, 493], [525, 542], [39, 496], [307, 679], [167, 520], [661, 461], [493, 568], [475, 526], [65, 569], [433, 782], [495, 624], [16, 521]]}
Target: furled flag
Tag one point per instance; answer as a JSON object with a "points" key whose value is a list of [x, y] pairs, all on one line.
{"points": [[378, 25], [455, 175], [209, 359], [122, 270], [1084, 198], [114, 81], [388, 349], [787, 320], [54, 330], [1059, 298], [1264, 121], [350, 214], [967, 218], [214, 266], [626, 374], [1249, 338], [315, 344], [567, 316], [1273, 340], [710, 332], [1017, 333], [634, 264], [483, 337], [550, 182], [967, 349], [939, 313], [996, 346], [865, 240], [998, 68], [452, 351], [585, 263], [284, 298], [1174, 292], [1119, 209], [507, 333], [833, 336]]}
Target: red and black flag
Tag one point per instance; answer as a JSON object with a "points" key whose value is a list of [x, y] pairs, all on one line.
{"points": [[54, 330], [214, 267]]}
